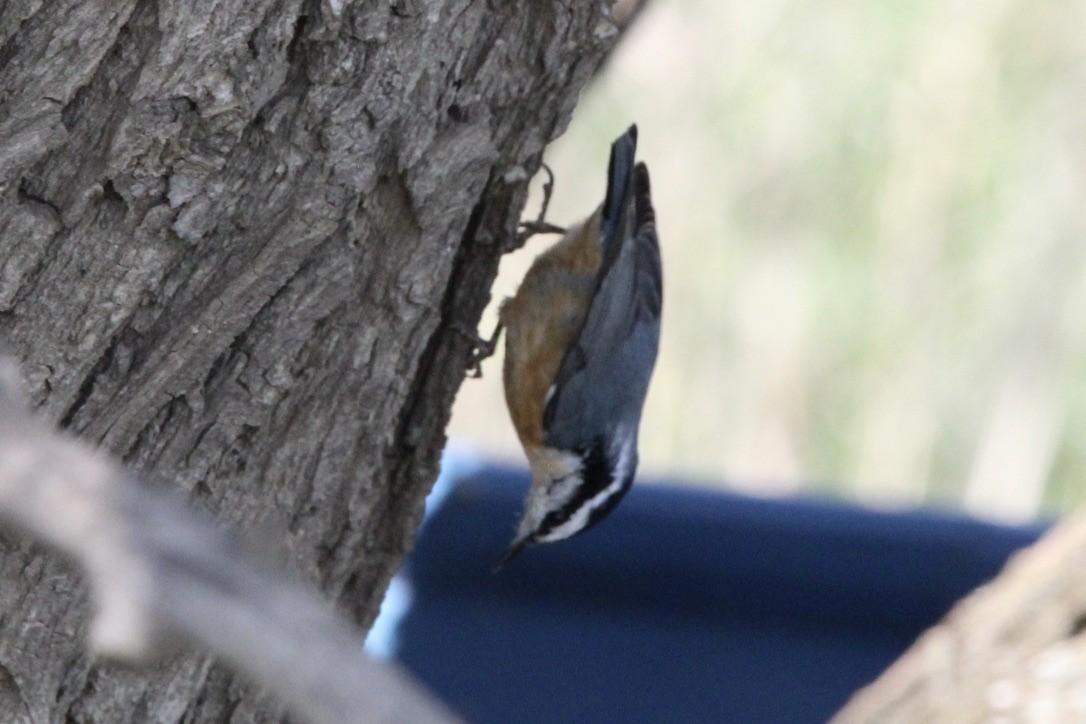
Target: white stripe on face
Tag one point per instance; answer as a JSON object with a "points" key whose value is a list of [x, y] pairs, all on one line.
{"points": [[626, 439]]}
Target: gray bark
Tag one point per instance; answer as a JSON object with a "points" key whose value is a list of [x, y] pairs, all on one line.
{"points": [[160, 575], [234, 235]]}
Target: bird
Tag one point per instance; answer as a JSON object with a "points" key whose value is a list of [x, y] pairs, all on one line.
{"points": [[582, 334]]}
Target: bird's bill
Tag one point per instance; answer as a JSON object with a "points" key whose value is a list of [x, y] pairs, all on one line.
{"points": [[512, 552]]}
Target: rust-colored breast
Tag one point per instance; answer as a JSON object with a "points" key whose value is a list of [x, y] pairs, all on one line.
{"points": [[540, 322]]}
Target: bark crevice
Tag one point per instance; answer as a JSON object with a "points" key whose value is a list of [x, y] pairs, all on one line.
{"points": [[231, 255]]}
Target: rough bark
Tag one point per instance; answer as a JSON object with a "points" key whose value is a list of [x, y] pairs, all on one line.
{"points": [[233, 237], [1013, 651], [161, 575]]}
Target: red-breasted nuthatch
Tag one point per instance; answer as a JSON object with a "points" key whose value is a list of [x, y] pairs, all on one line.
{"points": [[582, 334]]}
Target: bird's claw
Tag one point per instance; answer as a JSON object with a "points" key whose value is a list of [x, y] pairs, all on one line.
{"points": [[481, 348], [527, 229]]}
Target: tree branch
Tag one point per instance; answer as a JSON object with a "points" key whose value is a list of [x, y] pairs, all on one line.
{"points": [[1012, 651], [159, 573]]}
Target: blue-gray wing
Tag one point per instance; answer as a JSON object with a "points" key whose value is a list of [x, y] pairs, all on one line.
{"points": [[601, 384]]}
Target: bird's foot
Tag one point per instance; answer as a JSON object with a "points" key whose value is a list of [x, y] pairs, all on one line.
{"points": [[481, 348], [527, 229]]}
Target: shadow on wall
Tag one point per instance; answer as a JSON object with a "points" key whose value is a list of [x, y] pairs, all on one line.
{"points": [[684, 605]]}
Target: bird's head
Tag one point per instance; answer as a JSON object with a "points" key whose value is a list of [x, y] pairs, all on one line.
{"points": [[573, 490]]}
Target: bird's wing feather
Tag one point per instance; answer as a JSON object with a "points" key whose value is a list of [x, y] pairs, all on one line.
{"points": [[604, 375]]}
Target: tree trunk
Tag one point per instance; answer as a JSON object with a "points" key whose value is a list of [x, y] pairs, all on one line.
{"points": [[234, 236]]}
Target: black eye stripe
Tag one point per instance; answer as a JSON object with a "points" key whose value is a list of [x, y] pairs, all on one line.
{"points": [[596, 476], [558, 481]]}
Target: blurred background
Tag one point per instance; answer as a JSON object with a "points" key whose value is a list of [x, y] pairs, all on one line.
{"points": [[872, 224]]}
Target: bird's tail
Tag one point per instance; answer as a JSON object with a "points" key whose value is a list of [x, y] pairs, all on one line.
{"points": [[642, 198], [619, 189]]}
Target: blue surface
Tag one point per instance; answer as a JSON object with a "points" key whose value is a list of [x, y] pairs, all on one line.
{"points": [[683, 605]]}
